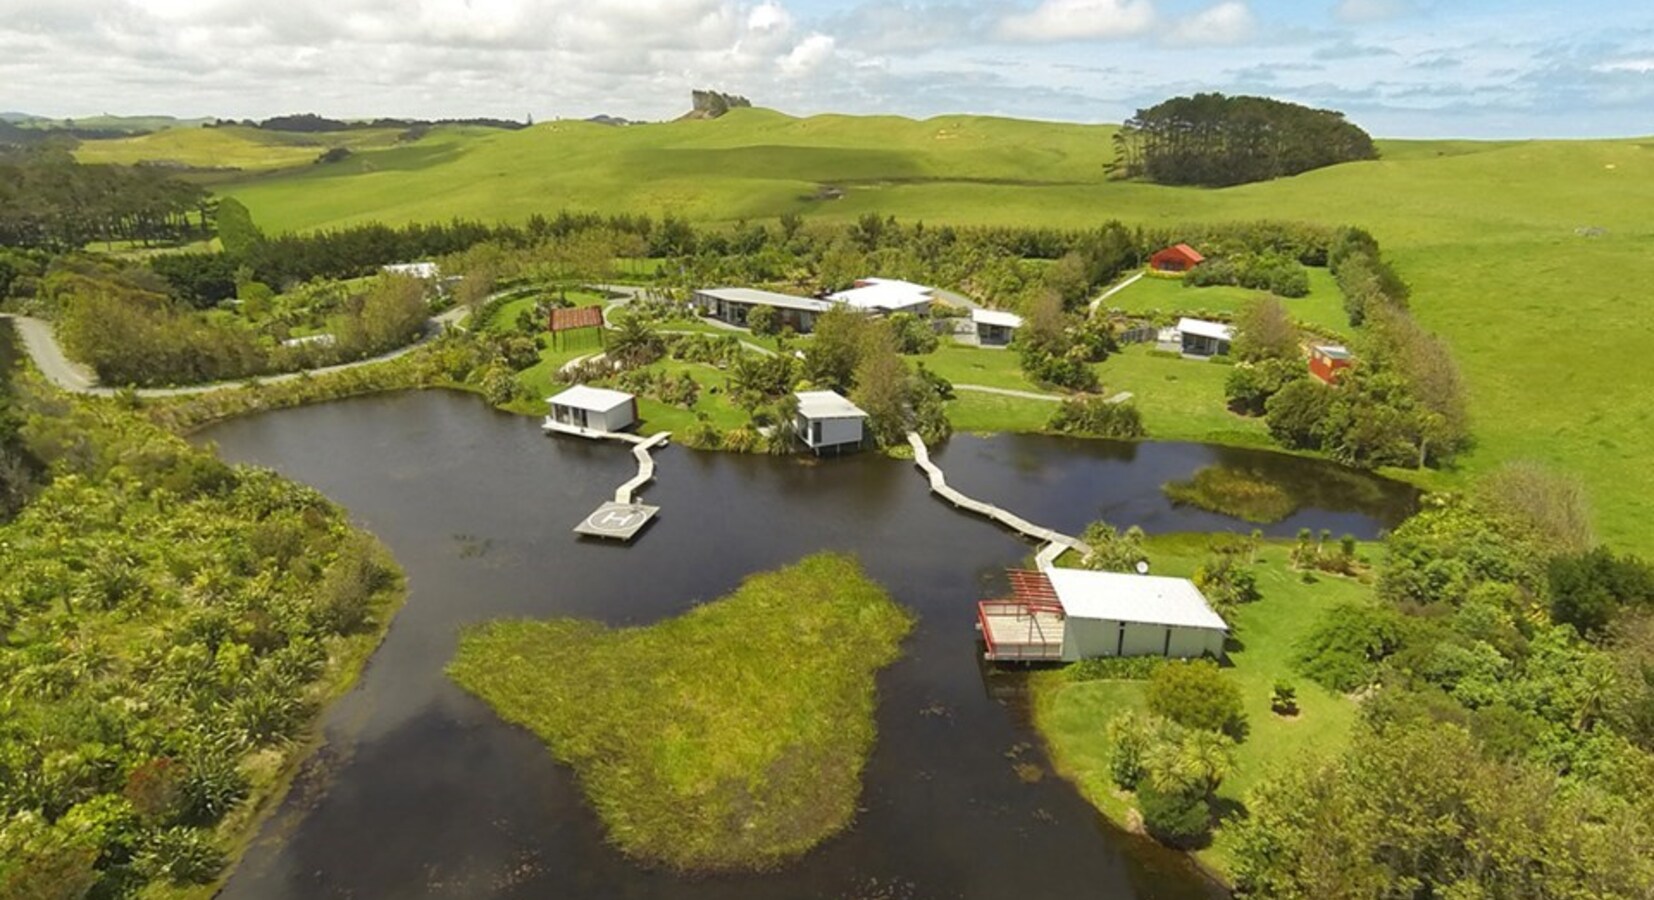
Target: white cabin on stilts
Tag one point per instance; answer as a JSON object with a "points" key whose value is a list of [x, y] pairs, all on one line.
{"points": [[591, 412]]}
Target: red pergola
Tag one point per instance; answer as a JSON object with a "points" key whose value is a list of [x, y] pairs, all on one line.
{"points": [[562, 320]]}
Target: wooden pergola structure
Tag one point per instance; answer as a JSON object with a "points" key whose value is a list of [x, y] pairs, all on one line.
{"points": [[579, 317], [1029, 625]]}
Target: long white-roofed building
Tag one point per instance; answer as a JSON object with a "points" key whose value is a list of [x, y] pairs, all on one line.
{"points": [[735, 304], [1072, 614]]}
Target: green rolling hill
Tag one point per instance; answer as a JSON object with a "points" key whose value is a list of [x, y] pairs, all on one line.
{"points": [[1548, 322]]}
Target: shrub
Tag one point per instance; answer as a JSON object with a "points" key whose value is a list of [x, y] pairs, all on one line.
{"points": [[913, 334], [763, 320], [180, 856], [1130, 735], [1197, 694], [1283, 700], [1175, 818], [1096, 416], [1344, 651]]}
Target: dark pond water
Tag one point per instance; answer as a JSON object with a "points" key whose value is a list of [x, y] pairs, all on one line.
{"points": [[420, 791]]}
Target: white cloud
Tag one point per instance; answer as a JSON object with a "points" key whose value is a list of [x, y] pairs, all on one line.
{"points": [[808, 55], [1643, 66], [769, 17], [1074, 20], [1359, 11], [1230, 22]]}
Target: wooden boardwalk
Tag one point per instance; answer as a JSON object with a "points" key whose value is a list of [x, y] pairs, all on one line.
{"points": [[623, 517], [1055, 542], [645, 464]]}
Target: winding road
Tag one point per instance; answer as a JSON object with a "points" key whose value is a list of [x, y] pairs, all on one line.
{"points": [[60, 370]]}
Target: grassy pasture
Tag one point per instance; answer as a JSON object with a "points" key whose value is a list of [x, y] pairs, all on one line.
{"points": [[699, 745], [231, 147], [1070, 715], [1546, 323]]}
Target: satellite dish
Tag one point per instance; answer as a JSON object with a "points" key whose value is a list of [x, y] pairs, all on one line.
{"points": [[1142, 567]]}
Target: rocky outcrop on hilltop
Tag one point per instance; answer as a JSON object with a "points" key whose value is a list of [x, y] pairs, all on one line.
{"points": [[712, 104]]}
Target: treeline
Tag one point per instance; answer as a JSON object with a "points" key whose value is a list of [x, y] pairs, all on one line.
{"points": [[168, 624], [1214, 140], [1506, 747], [1402, 404], [49, 201], [310, 123]]}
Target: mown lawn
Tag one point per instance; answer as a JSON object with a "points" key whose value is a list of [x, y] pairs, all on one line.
{"points": [[1071, 716], [729, 738], [970, 411], [1323, 308], [1180, 399], [974, 365]]}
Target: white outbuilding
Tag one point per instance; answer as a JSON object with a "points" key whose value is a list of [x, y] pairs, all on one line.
{"points": [[1073, 614], [425, 271], [827, 421], [1202, 338], [994, 327], [590, 412]]}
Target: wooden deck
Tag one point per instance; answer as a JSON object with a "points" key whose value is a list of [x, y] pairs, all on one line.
{"points": [[1055, 542], [1015, 632]]}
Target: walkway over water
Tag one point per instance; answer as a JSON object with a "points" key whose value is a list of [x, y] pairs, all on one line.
{"points": [[1055, 542], [623, 517]]}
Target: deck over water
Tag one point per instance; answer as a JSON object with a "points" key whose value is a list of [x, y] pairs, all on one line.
{"points": [[623, 517], [1015, 632], [1055, 542]]}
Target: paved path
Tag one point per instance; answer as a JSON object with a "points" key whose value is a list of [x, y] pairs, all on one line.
{"points": [[43, 347], [1055, 542], [1010, 392], [1097, 303]]}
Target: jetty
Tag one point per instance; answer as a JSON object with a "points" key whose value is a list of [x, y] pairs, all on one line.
{"points": [[1055, 542], [623, 517]]}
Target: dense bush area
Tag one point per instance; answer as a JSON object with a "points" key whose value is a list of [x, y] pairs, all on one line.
{"points": [[130, 335], [1096, 416], [1273, 272], [171, 624], [49, 201], [1507, 741]]}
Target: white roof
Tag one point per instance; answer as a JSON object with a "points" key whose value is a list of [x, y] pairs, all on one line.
{"points": [[1336, 351], [996, 317], [1117, 597], [591, 398], [416, 270], [754, 297], [827, 405], [1204, 328], [883, 294]]}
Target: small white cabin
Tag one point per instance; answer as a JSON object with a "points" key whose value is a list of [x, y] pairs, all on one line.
{"points": [[589, 412], [1073, 614], [1202, 338], [995, 327], [827, 421]]}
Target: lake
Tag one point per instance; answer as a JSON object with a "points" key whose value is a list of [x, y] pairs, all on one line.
{"points": [[420, 790]]}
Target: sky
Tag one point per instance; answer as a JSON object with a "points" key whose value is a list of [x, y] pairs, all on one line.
{"points": [[1399, 68]]}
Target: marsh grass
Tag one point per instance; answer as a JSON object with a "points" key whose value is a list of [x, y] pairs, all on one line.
{"points": [[729, 738], [1233, 491]]}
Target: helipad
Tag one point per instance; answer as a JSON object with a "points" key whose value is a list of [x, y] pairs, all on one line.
{"points": [[621, 521]]}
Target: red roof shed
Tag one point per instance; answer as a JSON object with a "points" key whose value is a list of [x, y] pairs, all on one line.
{"points": [[1327, 360], [1180, 258]]}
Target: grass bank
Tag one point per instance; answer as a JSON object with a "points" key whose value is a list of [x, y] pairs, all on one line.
{"points": [[730, 738], [1071, 715]]}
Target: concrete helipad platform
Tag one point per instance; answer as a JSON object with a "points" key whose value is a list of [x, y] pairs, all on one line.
{"points": [[620, 521]]}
